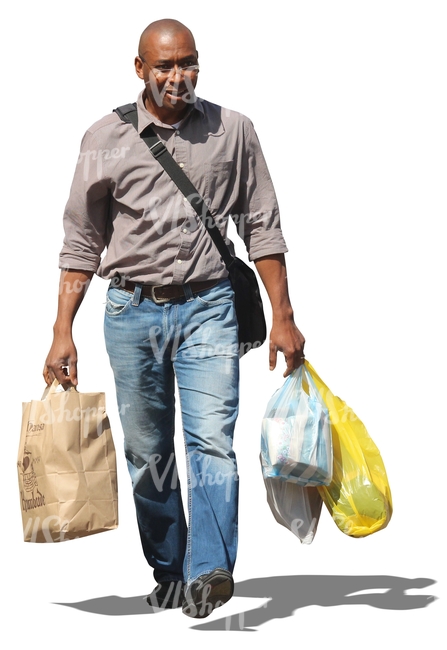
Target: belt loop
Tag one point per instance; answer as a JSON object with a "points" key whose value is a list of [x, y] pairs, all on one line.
{"points": [[136, 295], [188, 292]]}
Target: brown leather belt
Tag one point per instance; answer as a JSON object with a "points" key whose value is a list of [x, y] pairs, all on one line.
{"points": [[161, 293]]}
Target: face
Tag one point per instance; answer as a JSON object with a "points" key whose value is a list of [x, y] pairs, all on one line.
{"points": [[168, 94]]}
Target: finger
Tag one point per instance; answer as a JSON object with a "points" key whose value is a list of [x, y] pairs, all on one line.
{"points": [[290, 365], [61, 376], [47, 376], [60, 373], [73, 373], [273, 351], [293, 362]]}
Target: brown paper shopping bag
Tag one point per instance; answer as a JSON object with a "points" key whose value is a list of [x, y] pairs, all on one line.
{"points": [[66, 467]]}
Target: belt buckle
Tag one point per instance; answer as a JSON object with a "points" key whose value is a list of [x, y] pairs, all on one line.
{"points": [[158, 301]]}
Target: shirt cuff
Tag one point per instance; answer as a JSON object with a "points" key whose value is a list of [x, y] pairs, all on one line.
{"points": [[266, 247], [80, 261]]}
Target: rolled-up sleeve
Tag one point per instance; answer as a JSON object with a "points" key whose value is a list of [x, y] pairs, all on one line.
{"points": [[87, 210], [257, 214]]}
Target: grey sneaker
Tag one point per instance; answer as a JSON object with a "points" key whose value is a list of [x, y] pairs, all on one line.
{"points": [[209, 591]]}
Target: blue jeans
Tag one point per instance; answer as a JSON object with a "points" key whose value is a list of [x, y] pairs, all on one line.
{"points": [[150, 345]]}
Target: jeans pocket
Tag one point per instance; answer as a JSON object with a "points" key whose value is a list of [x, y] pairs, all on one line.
{"points": [[219, 295], [117, 301]]}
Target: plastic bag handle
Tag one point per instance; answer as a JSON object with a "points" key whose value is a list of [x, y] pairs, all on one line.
{"points": [[305, 379], [307, 383]]}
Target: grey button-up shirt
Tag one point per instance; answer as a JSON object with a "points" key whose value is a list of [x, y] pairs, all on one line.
{"points": [[123, 202]]}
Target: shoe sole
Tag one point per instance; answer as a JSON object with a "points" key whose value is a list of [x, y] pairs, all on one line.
{"points": [[212, 591]]}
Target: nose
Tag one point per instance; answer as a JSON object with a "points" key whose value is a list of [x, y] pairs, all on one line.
{"points": [[176, 72]]}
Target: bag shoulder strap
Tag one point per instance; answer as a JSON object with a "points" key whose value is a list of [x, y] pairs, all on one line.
{"points": [[128, 113]]}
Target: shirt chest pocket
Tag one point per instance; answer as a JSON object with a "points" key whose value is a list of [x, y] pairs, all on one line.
{"points": [[220, 182]]}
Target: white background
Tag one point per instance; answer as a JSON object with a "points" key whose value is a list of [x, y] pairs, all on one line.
{"points": [[349, 101]]}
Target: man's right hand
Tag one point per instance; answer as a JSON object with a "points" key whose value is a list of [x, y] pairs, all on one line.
{"points": [[61, 362]]}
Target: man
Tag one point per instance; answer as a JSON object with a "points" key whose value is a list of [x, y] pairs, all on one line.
{"points": [[170, 310]]}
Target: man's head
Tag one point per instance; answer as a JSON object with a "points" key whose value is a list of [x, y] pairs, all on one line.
{"points": [[167, 61]]}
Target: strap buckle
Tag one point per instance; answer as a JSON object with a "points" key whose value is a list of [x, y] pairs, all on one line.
{"points": [[158, 301], [157, 152]]}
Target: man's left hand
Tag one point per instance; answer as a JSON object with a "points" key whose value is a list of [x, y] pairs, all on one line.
{"points": [[286, 338]]}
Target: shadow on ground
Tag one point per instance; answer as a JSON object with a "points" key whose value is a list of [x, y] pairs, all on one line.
{"points": [[284, 595]]}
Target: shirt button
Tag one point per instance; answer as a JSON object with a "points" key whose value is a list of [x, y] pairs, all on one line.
{"points": [[177, 133], [185, 230], [181, 165], [179, 261]]}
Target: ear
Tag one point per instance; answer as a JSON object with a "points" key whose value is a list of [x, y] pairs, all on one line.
{"points": [[139, 67]]}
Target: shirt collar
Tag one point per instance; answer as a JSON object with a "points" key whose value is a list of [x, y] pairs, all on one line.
{"points": [[145, 118]]}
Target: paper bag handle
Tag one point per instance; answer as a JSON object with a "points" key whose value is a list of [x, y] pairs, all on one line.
{"points": [[50, 390]]}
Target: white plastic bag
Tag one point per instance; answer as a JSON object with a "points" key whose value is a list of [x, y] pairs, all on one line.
{"points": [[295, 507], [296, 443]]}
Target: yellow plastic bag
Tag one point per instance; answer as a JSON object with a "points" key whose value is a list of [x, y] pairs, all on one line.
{"points": [[359, 497]]}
